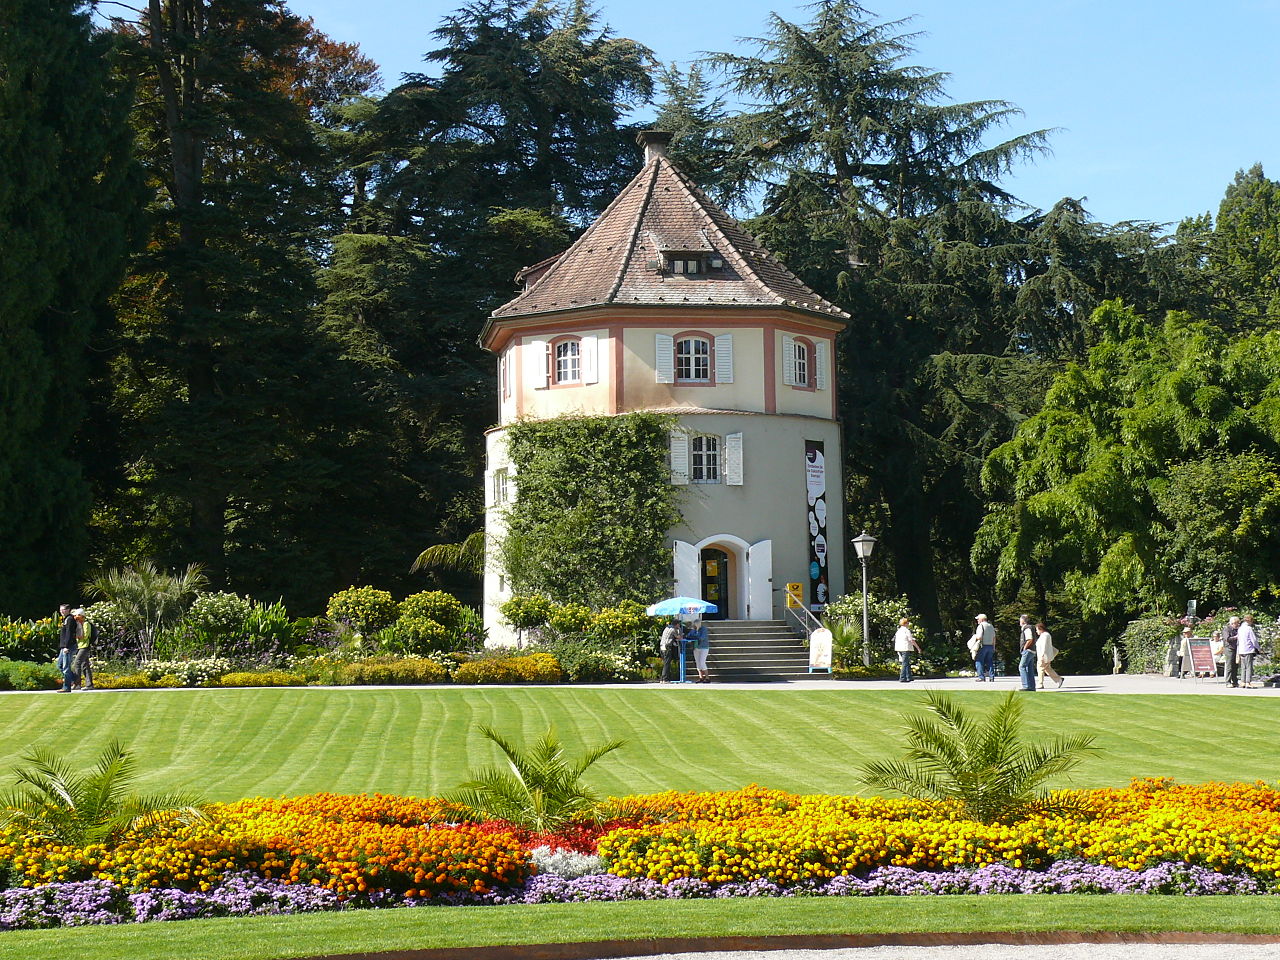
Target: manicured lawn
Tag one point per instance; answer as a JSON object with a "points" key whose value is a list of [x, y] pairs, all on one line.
{"points": [[230, 744], [260, 938]]}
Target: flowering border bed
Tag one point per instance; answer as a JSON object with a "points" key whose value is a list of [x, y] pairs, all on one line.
{"points": [[332, 852]]}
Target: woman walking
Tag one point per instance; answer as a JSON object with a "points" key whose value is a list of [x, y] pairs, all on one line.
{"points": [[1045, 652], [904, 644]]}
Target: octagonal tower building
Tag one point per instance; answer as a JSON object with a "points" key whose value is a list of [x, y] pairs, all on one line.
{"points": [[666, 304]]}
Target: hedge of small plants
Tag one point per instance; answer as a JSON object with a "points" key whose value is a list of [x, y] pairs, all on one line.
{"points": [[328, 851]]}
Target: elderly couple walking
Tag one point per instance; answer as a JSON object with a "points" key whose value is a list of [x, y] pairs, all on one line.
{"points": [[1035, 652]]}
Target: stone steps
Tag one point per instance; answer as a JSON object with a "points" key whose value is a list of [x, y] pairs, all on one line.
{"points": [[754, 651]]}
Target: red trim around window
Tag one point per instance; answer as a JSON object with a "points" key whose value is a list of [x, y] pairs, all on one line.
{"points": [[552, 382], [810, 373], [711, 358]]}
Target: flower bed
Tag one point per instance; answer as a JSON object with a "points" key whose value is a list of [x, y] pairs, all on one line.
{"points": [[329, 851]]}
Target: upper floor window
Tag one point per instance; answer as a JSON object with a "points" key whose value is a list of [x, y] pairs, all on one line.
{"points": [[501, 486], [704, 459], [802, 360], [567, 362], [693, 359], [685, 265]]}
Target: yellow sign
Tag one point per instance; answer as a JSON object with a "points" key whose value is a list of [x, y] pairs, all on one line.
{"points": [[795, 595]]}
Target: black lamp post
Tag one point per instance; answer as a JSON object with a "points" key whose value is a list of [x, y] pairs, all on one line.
{"points": [[863, 544]]}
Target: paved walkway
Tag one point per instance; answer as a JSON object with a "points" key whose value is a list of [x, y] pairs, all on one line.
{"points": [[1007, 951], [1106, 683]]}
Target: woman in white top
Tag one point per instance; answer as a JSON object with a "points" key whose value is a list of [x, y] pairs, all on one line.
{"points": [[904, 644], [1045, 652]]}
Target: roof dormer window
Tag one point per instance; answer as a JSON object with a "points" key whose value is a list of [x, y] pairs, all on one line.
{"points": [[685, 264]]}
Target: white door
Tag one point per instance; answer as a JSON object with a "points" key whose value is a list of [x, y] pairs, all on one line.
{"points": [[688, 570], [760, 581]]}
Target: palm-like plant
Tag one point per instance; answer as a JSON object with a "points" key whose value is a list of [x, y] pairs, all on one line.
{"points": [[541, 789], [467, 556], [147, 598], [984, 764], [53, 802]]}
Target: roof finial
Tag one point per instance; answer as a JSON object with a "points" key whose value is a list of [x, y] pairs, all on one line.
{"points": [[654, 143]]}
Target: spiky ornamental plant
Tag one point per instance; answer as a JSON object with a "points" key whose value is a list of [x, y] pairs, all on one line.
{"points": [[984, 764], [53, 802], [541, 790]]}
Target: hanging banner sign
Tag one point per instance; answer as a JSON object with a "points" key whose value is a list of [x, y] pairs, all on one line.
{"points": [[815, 476]]}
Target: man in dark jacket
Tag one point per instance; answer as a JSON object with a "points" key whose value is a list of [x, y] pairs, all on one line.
{"points": [[67, 647], [1229, 645]]}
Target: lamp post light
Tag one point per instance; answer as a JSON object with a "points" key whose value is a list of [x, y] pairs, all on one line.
{"points": [[863, 544]]}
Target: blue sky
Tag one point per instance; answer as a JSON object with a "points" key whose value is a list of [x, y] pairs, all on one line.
{"points": [[1157, 104]]}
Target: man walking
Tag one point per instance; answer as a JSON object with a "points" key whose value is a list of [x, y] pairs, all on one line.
{"points": [[904, 644], [1229, 648], [984, 638], [67, 647], [1045, 652]]}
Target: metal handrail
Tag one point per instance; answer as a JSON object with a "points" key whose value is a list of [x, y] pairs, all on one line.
{"points": [[808, 623]]}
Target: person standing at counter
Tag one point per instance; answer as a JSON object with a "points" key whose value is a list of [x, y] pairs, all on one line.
{"points": [[697, 635]]}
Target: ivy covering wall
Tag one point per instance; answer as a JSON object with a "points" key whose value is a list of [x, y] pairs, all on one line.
{"points": [[594, 501]]}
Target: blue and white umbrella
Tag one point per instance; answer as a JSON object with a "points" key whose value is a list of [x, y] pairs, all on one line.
{"points": [[674, 606]]}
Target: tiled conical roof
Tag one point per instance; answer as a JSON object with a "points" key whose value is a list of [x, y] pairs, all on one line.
{"points": [[662, 211]]}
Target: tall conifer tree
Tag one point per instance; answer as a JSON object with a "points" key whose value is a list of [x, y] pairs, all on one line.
{"points": [[69, 198]]}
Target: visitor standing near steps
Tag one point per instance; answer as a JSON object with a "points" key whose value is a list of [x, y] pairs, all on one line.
{"points": [[701, 647], [1247, 647], [983, 646], [1045, 652], [67, 647], [669, 647], [904, 644]]}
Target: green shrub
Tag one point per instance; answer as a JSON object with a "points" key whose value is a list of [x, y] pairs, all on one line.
{"points": [[364, 608], [1146, 643], [844, 618], [263, 678], [23, 675], [572, 619], [470, 633], [123, 681], [29, 640], [436, 605], [218, 614], [423, 634], [486, 671], [537, 668], [877, 671], [527, 612], [624, 623], [385, 671]]}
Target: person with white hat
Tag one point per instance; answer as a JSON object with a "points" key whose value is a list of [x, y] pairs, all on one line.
{"points": [[983, 642]]}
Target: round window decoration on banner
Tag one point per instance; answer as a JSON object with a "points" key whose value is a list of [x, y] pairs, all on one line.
{"points": [[820, 511]]}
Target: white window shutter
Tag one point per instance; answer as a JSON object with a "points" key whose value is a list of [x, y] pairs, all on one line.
{"points": [[820, 364], [665, 362], [535, 363], [490, 488], [679, 457], [589, 349], [687, 567], [733, 459], [724, 358], [788, 360]]}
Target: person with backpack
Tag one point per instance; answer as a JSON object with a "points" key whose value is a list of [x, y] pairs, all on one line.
{"points": [[86, 634]]}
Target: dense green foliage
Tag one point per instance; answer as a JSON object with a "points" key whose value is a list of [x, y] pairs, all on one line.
{"points": [[595, 502], [69, 203], [1151, 475]]}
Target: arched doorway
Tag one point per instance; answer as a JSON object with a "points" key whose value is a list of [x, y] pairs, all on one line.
{"points": [[716, 579]]}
